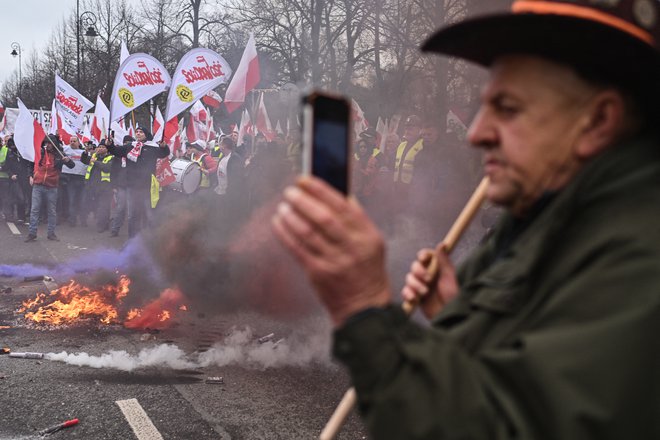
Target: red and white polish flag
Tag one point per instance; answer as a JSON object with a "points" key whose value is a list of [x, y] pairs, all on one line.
{"points": [[245, 78], [28, 134]]}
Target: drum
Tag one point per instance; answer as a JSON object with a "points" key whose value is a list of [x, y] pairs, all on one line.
{"points": [[188, 176]]}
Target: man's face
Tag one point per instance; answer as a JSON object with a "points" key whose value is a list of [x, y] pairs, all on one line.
{"points": [[531, 117], [411, 132], [101, 150], [234, 136], [430, 135], [74, 143], [140, 136]]}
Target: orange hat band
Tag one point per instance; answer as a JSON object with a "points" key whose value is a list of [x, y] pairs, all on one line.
{"points": [[546, 7]]}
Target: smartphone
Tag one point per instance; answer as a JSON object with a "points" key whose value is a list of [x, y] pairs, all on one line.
{"points": [[326, 139]]}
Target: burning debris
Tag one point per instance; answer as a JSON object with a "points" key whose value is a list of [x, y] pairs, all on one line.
{"points": [[75, 303]]}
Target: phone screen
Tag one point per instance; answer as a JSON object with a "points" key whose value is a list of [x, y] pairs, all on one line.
{"points": [[330, 158], [326, 137]]}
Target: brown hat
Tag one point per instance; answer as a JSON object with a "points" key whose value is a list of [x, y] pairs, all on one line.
{"points": [[613, 41]]}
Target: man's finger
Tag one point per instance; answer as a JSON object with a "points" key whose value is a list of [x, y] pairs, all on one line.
{"points": [[301, 230], [318, 213]]}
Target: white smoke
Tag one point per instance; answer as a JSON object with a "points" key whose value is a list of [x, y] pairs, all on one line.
{"points": [[165, 355], [240, 347]]}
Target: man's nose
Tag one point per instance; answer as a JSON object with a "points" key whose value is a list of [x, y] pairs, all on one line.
{"points": [[482, 132]]}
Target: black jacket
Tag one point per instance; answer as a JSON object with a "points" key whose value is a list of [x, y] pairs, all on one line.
{"points": [[138, 174]]}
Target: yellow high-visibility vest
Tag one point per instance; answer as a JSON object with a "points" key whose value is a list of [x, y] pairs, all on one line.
{"points": [[105, 176], [3, 161], [403, 172]]}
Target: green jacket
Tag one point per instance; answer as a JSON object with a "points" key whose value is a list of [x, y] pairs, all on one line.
{"points": [[557, 338]]}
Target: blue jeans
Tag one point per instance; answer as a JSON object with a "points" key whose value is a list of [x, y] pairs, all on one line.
{"points": [[40, 192]]}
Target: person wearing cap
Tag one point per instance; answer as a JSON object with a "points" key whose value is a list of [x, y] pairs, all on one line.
{"points": [[549, 329], [198, 153], [406, 152], [141, 157], [44, 181]]}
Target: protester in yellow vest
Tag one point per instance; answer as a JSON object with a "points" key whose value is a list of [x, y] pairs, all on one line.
{"points": [[98, 193], [404, 165]]}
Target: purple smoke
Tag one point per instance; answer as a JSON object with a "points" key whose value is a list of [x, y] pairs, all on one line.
{"points": [[133, 256]]}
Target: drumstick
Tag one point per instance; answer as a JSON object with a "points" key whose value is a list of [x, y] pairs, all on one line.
{"points": [[447, 245]]}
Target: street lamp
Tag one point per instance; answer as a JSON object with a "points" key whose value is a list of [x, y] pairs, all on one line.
{"points": [[85, 20], [17, 51]]}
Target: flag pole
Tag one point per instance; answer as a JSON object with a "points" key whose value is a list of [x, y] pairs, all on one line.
{"points": [[55, 146]]}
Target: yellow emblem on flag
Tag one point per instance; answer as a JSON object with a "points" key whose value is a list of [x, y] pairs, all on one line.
{"points": [[126, 97], [184, 93], [155, 191]]}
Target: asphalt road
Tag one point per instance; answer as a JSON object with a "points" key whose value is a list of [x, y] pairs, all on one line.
{"points": [[288, 394]]}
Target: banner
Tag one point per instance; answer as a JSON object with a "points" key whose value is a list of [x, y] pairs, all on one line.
{"points": [[199, 71], [139, 78], [70, 105], [164, 173]]}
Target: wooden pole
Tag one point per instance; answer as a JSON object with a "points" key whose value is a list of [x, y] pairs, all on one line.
{"points": [[455, 232]]}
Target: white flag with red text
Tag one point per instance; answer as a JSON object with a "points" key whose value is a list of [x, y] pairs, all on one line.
{"points": [[70, 105], [199, 71], [246, 78], [139, 78]]}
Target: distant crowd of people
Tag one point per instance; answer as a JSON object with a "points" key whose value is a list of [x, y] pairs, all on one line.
{"points": [[110, 184]]}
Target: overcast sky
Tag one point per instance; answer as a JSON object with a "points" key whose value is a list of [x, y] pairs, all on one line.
{"points": [[30, 23]]}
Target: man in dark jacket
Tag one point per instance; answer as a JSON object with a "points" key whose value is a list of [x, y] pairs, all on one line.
{"points": [[44, 181], [19, 170], [549, 330], [98, 185], [141, 157]]}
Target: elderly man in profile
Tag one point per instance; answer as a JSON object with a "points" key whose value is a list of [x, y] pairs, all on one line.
{"points": [[549, 330]]}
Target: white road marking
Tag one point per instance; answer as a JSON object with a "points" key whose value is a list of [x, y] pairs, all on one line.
{"points": [[142, 425], [14, 230]]}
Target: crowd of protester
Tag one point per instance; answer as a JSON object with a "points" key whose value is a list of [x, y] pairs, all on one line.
{"points": [[113, 184]]}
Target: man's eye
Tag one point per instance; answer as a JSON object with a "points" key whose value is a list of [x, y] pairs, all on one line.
{"points": [[506, 109]]}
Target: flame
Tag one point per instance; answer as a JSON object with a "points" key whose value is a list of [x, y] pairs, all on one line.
{"points": [[73, 302], [183, 307], [157, 314]]}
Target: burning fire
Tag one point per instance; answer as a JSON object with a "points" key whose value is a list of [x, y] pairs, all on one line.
{"points": [[74, 303], [157, 313]]}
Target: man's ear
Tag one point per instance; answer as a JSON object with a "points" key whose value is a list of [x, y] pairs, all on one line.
{"points": [[604, 122]]}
